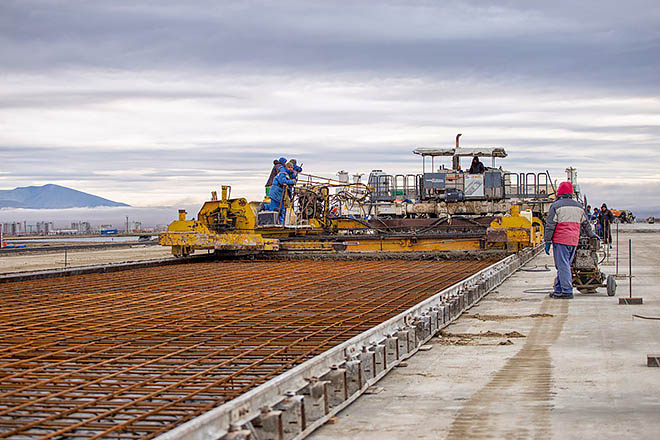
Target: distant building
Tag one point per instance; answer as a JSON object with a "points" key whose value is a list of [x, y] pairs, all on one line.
{"points": [[45, 228], [81, 227], [13, 228]]}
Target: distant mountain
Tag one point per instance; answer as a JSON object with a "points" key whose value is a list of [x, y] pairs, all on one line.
{"points": [[51, 197]]}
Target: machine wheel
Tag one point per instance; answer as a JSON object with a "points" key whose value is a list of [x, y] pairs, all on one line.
{"points": [[611, 285]]}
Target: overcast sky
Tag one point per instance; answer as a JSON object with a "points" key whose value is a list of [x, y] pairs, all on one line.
{"points": [[157, 103]]}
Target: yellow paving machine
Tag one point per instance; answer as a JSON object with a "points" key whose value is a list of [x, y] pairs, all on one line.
{"points": [[440, 209]]}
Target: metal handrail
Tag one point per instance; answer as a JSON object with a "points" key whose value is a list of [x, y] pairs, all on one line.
{"points": [[511, 185], [546, 188], [534, 185], [384, 187]]}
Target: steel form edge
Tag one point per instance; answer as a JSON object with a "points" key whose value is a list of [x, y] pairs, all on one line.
{"points": [[230, 417]]}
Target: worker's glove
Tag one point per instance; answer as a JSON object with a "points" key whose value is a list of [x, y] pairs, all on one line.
{"points": [[547, 247], [297, 169]]}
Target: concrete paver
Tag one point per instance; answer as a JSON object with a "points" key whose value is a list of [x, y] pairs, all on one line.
{"points": [[579, 372]]}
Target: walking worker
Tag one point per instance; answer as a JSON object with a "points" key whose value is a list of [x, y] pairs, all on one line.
{"points": [[605, 219], [277, 192], [562, 231]]}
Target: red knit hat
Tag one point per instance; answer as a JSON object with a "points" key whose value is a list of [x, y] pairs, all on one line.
{"points": [[565, 188]]}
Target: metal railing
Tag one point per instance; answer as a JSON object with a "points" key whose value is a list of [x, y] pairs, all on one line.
{"points": [[406, 186], [527, 185]]}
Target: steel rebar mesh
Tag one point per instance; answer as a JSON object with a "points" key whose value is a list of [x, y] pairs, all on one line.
{"points": [[133, 354]]}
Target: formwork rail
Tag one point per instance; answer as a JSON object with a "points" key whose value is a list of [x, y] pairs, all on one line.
{"points": [[134, 354], [295, 403]]}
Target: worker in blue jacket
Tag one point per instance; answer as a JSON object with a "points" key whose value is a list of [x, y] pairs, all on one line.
{"points": [[296, 169], [277, 190], [293, 171]]}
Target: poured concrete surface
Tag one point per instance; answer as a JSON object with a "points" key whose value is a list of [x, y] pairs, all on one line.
{"points": [[80, 257], [579, 372]]}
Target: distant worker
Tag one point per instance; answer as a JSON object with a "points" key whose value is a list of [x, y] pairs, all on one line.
{"points": [[562, 231], [605, 219], [477, 167], [273, 172], [594, 220], [277, 193], [594, 215]]}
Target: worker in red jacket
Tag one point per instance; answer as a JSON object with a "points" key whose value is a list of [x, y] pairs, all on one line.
{"points": [[562, 231]]}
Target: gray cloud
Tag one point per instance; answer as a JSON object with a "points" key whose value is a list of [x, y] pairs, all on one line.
{"points": [[155, 103], [602, 42]]}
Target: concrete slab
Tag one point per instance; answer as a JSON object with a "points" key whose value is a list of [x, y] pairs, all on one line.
{"points": [[80, 257], [579, 371]]}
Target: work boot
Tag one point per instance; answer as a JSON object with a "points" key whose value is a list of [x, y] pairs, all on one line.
{"points": [[563, 296]]}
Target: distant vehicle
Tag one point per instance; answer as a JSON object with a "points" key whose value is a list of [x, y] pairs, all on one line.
{"points": [[623, 216], [109, 231]]}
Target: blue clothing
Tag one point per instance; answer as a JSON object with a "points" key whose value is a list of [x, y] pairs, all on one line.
{"points": [[563, 255], [275, 206], [277, 190], [291, 173]]}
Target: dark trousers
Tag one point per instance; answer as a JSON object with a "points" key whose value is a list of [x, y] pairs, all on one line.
{"points": [[607, 234]]}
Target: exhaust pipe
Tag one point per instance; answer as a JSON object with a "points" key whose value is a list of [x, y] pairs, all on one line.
{"points": [[454, 160]]}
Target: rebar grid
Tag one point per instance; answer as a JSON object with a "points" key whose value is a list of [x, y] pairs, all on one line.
{"points": [[133, 354]]}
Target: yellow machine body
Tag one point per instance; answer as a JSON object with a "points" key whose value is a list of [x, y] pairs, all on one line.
{"points": [[225, 224], [515, 231], [228, 224]]}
